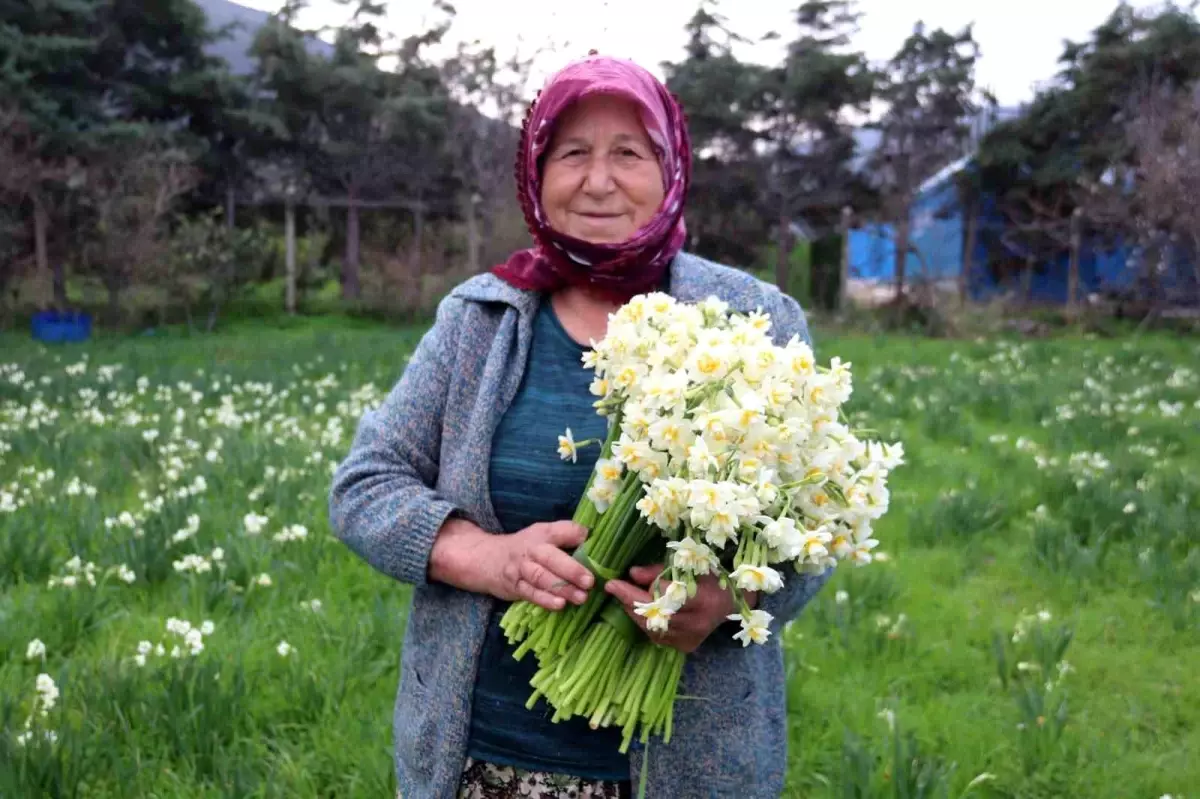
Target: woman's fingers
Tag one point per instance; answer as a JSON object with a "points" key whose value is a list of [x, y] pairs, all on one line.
{"points": [[542, 578], [549, 601], [627, 593], [644, 575], [563, 567]]}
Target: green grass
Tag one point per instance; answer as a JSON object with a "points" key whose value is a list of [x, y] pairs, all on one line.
{"points": [[991, 519]]}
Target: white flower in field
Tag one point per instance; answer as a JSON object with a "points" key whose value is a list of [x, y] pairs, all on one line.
{"points": [[217, 555], [841, 597], [125, 574], [1129, 508], [35, 650], [755, 627], [47, 693], [285, 649], [195, 641], [253, 522], [187, 531], [263, 580], [178, 626], [312, 605], [567, 450], [693, 557], [657, 614], [295, 532], [1195, 595], [193, 563], [144, 648], [764, 579], [150, 435], [207, 627]]}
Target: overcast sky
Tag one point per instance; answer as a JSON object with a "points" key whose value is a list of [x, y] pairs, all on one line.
{"points": [[1020, 39]]}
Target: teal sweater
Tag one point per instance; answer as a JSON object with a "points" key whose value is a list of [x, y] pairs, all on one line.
{"points": [[423, 455], [529, 484]]}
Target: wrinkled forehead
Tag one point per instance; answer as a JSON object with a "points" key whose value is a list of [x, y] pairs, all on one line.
{"points": [[610, 110]]}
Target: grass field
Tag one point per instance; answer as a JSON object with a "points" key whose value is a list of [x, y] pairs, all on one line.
{"points": [[1034, 633]]}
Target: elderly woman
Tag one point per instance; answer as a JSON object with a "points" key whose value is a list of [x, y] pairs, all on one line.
{"points": [[454, 486]]}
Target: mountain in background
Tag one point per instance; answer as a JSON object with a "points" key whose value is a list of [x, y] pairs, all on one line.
{"points": [[235, 48]]}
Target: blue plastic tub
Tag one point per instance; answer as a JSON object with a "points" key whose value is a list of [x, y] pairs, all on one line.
{"points": [[59, 326]]}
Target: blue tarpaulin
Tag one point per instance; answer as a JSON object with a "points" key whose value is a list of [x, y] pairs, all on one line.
{"points": [[938, 234]]}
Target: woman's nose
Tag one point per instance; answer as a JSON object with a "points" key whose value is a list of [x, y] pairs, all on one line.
{"points": [[598, 178]]}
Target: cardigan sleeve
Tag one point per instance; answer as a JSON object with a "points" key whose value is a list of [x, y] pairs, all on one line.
{"points": [[383, 504]]}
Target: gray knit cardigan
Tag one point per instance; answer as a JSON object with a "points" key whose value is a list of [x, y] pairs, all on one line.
{"points": [[423, 455]]}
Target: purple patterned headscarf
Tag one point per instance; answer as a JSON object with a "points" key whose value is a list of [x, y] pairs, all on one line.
{"points": [[616, 271]]}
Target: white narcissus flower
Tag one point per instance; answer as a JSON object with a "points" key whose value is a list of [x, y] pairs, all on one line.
{"points": [[760, 579], [693, 557], [675, 595], [755, 627], [254, 523], [285, 649], [861, 554], [609, 470], [47, 693], [602, 493], [35, 650], [657, 614], [567, 450]]}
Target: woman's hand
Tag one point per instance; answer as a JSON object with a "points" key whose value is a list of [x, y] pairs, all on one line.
{"points": [[694, 622], [529, 564]]}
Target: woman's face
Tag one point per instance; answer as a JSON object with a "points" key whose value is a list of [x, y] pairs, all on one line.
{"points": [[601, 180]]}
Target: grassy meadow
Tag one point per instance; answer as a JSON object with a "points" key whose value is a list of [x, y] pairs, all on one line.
{"points": [[166, 560]]}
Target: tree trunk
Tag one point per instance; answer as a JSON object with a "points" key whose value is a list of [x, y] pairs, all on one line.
{"points": [[844, 277], [902, 237], [968, 261], [1073, 266], [1027, 282], [289, 234], [114, 301], [782, 259], [230, 206], [351, 289], [472, 235], [41, 227], [418, 240]]}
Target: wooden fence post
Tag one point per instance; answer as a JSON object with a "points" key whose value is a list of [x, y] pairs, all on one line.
{"points": [[844, 277], [1073, 268]]}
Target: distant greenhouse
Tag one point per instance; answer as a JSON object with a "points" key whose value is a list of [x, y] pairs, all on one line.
{"points": [[939, 236]]}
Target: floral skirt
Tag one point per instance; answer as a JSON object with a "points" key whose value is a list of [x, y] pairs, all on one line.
{"points": [[487, 781]]}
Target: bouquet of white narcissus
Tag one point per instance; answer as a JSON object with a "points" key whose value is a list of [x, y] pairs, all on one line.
{"points": [[726, 455]]}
